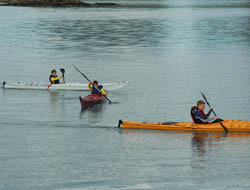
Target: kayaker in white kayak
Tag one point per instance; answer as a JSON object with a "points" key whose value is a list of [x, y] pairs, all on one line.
{"points": [[199, 117], [53, 78], [96, 88]]}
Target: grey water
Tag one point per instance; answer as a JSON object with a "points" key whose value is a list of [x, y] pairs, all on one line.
{"points": [[169, 51]]}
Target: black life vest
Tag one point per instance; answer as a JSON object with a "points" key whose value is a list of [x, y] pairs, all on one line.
{"points": [[56, 81]]}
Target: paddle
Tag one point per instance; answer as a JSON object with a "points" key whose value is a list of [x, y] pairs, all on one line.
{"points": [[63, 72], [90, 81], [204, 97]]}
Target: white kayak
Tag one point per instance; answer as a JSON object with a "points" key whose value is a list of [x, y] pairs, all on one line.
{"points": [[66, 86]]}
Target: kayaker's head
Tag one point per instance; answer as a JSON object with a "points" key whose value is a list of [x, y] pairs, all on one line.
{"points": [[201, 105], [53, 72], [95, 83]]}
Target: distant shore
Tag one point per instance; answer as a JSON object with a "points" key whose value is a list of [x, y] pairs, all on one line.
{"points": [[54, 3]]}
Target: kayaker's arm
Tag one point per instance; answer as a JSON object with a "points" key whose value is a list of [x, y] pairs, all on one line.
{"points": [[208, 120], [198, 116], [208, 114], [53, 79], [90, 86], [210, 111], [103, 92]]}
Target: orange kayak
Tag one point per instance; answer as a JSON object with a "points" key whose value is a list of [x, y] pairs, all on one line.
{"points": [[231, 125]]}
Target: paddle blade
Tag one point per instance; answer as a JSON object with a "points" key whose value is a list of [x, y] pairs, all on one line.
{"points": [[108, 99], [62, 70], [224, 127], [204, 97]]}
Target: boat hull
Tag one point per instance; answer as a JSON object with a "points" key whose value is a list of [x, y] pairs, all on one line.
{"points": [[67, 86], [91, 100], [231, 125]]}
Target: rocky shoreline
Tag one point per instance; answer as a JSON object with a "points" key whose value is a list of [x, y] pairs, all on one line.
{"points": [[53, 3]]}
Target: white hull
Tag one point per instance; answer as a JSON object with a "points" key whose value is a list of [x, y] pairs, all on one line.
{"points": [[67, 86]]}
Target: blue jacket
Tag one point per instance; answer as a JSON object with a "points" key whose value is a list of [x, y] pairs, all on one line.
{"points": [[201, 117]]}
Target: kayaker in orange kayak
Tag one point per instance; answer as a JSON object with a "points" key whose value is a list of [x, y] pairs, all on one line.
{"points": [[53, 78], [96, 88], [199, 117]]}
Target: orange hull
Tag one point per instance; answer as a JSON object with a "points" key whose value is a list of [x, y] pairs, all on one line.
{"points": [[231, 125]]}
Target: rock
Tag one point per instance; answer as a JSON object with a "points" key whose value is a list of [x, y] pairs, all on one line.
{"points": [[54, 3]]}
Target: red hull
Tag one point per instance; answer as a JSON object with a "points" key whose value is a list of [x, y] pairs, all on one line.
{"points": [[91, 100]]}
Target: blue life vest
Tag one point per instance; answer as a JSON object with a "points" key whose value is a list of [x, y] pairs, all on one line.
{"points": [[95, 91], [197, 112]]}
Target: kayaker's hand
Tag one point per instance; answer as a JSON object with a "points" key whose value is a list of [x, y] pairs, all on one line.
{"points": [[90, 82], [210, 108], [216, 117]]}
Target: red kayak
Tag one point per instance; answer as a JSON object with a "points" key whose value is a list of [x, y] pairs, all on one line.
{"points": [[91, 100]]}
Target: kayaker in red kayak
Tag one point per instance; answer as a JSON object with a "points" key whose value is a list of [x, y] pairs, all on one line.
{"points": [[53, 78], [199, 117], [96, 88]]}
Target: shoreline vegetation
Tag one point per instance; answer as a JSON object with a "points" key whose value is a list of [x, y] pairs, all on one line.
{"points": [[54, 3], [139, 4]]}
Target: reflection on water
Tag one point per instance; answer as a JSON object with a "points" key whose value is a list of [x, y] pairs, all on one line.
{"points": [[198, 144], [57, 102], [95, 109], [85, 33], [168, 54], [78, 34], [54, 96], [201, 140], [211, 148], [93, 113]]}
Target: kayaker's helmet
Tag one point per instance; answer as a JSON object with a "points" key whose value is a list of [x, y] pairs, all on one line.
{"points": [[95, 82]]}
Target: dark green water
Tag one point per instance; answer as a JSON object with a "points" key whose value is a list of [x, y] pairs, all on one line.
{"points": [[169, 51]]}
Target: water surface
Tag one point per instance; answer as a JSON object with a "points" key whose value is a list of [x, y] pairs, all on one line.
{"points": [[169, 51]]}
